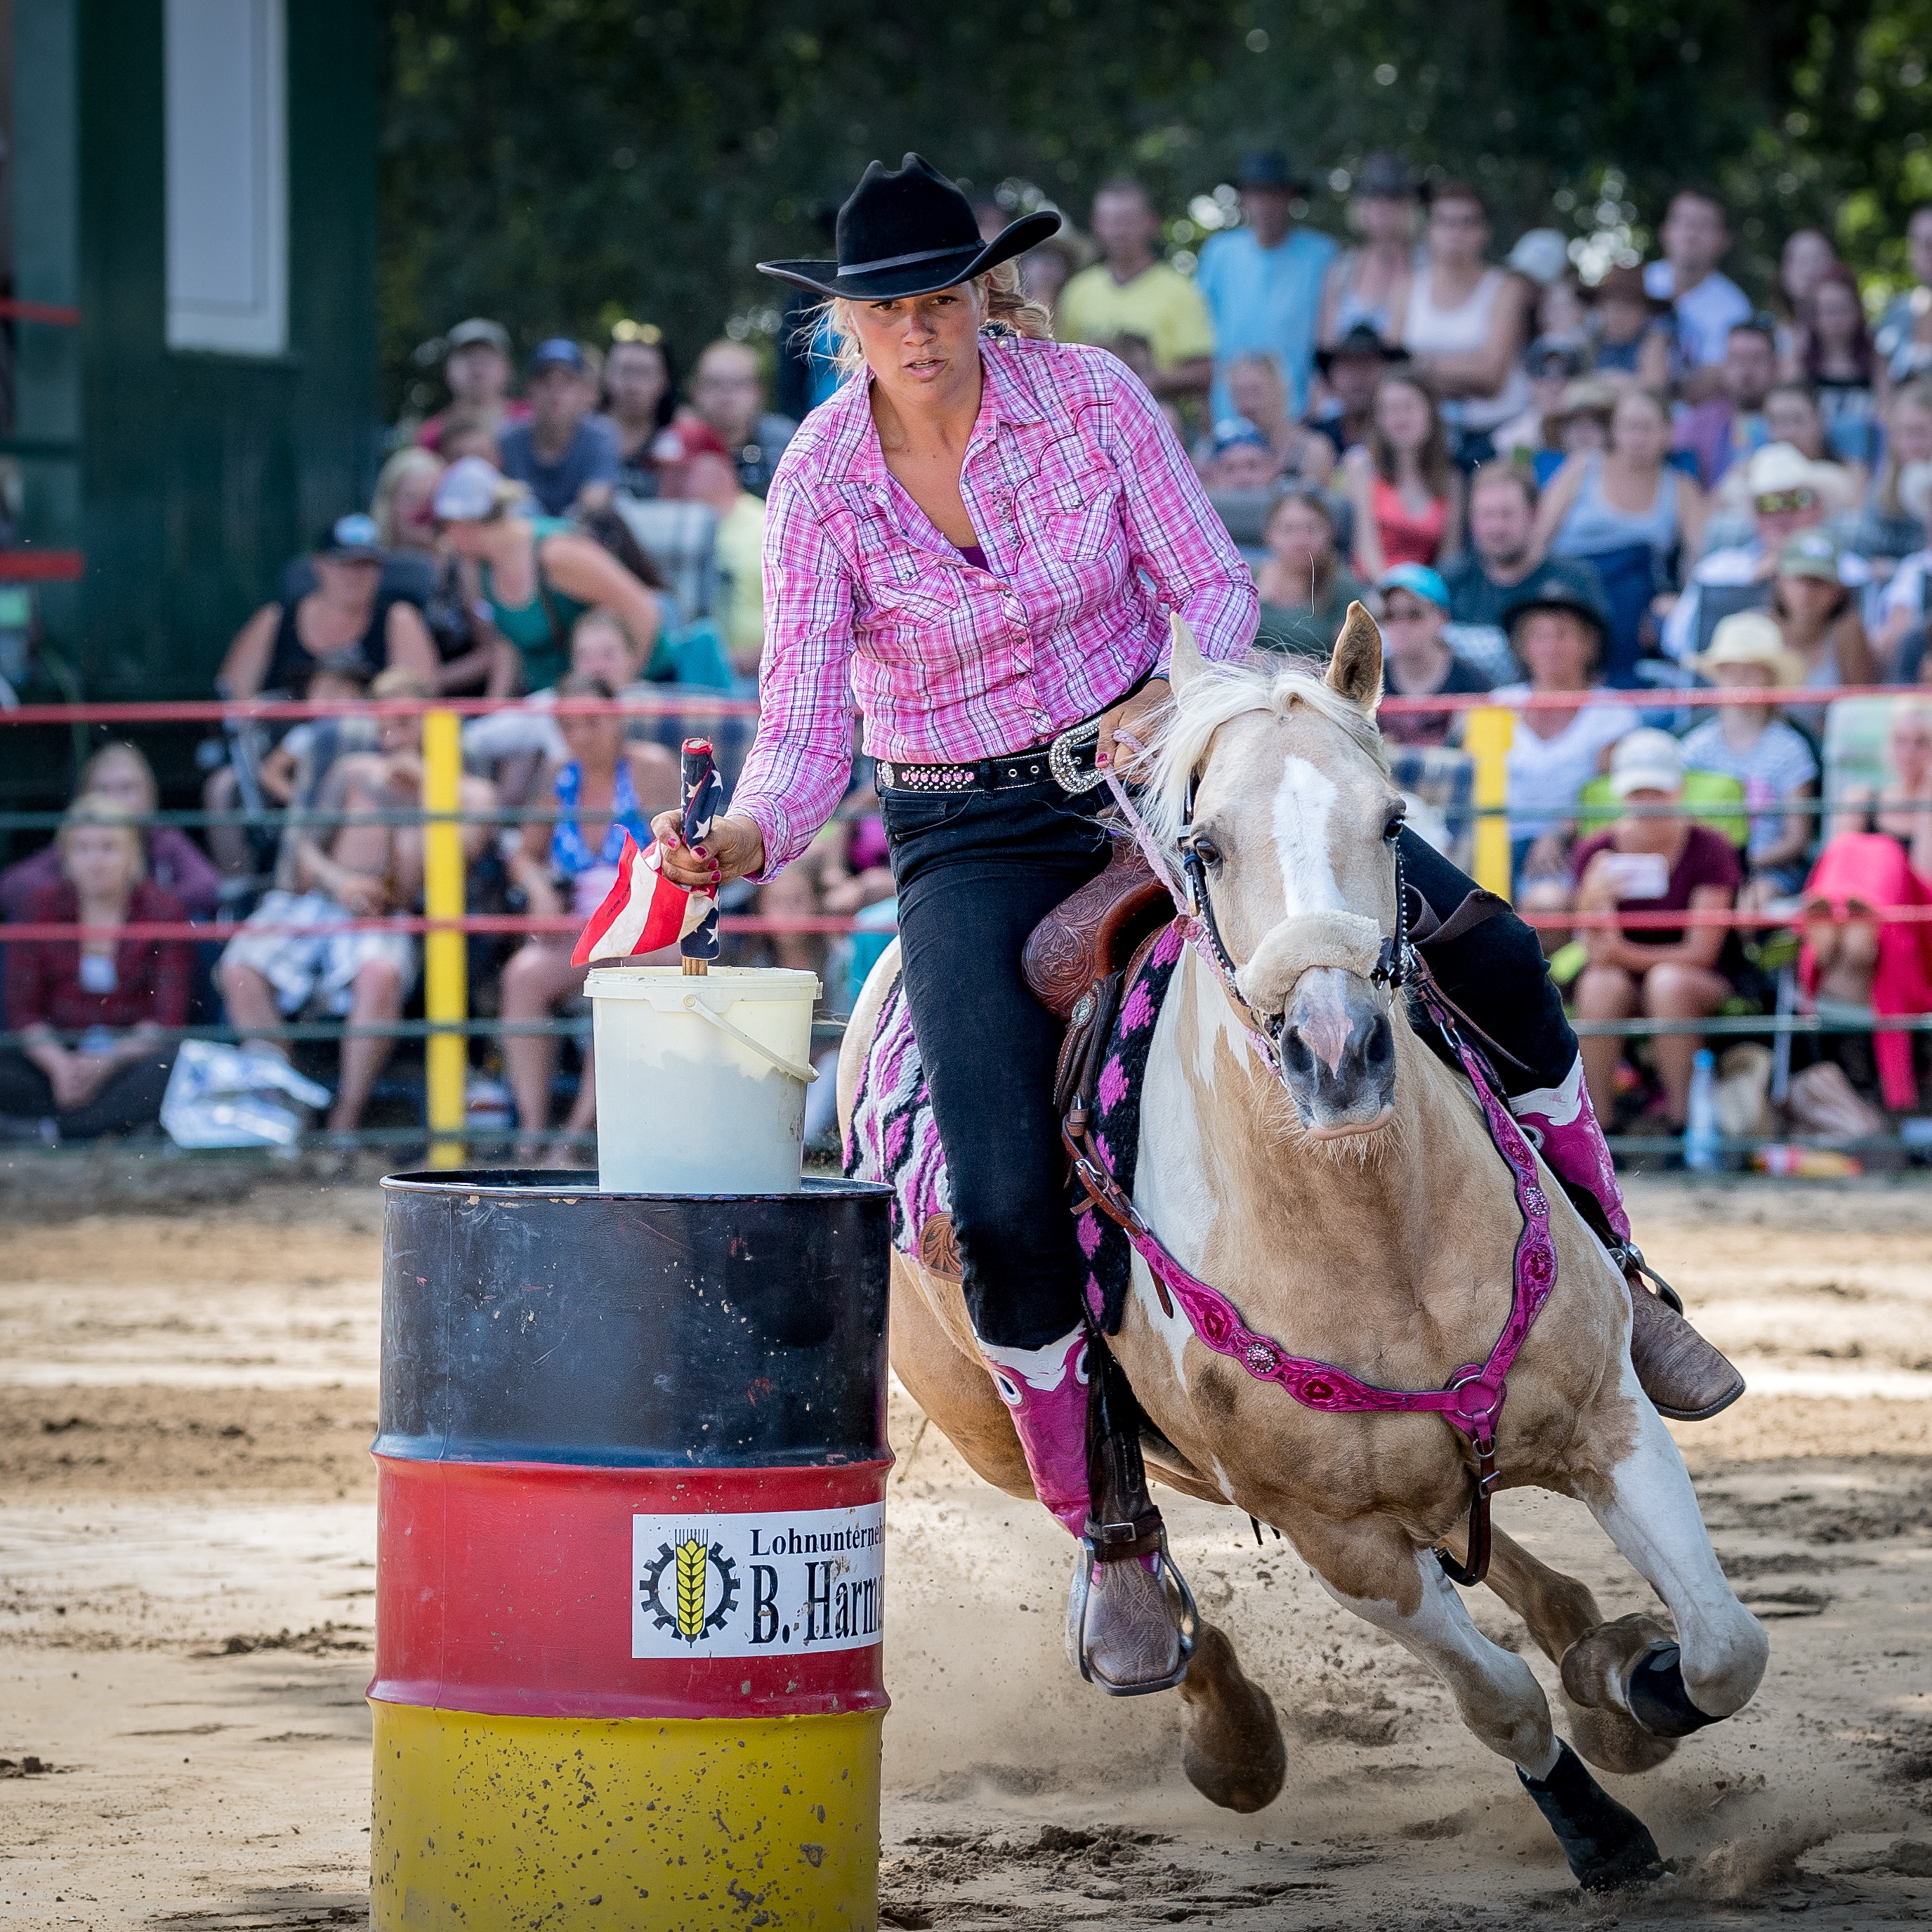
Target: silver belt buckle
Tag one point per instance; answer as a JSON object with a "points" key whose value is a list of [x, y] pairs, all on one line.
{"points": [[1067, 774]]}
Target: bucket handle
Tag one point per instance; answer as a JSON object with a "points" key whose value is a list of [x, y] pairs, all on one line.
{"points": [[805, 1075]]}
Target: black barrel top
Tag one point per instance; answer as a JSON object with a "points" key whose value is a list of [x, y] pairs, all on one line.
{"points": [[527, 1317]]}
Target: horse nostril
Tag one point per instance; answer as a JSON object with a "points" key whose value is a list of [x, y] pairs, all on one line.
{"points": [[1380, 1049], [1295, 1056]]}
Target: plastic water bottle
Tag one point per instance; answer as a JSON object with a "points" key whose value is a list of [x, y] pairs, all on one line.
{"points": [[1701, 1131]]}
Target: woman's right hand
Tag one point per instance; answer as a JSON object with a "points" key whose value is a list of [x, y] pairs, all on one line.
{"points": [[733, 849]]}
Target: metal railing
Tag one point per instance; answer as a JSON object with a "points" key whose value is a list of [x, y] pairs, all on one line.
{"points": [[446, 922]]}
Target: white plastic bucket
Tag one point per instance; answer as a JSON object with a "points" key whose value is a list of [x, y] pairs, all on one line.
{"points": [[701, 1078]]}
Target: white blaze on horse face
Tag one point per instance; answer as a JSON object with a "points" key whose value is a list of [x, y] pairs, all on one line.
{"points": [[1302, 802]]}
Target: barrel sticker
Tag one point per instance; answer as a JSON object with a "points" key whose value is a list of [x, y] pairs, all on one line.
{"points": [[757, 1583]]}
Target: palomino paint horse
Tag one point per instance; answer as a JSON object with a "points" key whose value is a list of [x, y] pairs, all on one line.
{"points": [[1353, 1208]]}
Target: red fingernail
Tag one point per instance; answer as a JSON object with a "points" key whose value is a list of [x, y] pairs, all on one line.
{"points": [[700, 851], [1100, 758], [670, 840]]}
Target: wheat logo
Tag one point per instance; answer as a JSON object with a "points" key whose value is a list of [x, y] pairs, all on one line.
{"points": [[691, 1588]]}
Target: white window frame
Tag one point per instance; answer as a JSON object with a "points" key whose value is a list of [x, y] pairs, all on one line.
{"points": [[199, 318]]}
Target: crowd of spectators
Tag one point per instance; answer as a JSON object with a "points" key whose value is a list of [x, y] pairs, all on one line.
{"points": [[1551, 491]]}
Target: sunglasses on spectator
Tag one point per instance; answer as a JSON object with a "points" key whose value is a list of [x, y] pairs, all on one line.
{"points": [[1782, 502]]}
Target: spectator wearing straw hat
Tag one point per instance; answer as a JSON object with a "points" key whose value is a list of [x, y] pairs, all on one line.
{"points": [[1788, 494], [1654, 859], [1262, 281], [1754, 744]]}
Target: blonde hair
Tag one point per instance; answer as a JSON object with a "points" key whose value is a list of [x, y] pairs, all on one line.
{"points": [[91, 809], [399, 681], [1002, 299], [399, 469]]}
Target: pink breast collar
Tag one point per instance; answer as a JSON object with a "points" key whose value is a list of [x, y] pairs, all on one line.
{"points": [[1472, 1399]]}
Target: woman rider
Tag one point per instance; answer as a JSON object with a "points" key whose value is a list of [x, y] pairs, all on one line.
{"points": [[980, 538]]}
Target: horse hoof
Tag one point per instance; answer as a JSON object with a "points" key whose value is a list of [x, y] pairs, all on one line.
{"points": [[1232, 1749], [1596, 1668], [1612, 1741], [1607, 1847]]}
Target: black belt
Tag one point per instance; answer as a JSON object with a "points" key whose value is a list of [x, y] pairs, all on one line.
{"points": [[1006, 774], [1069, 756]]}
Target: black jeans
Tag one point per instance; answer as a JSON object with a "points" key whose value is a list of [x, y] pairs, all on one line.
{"points": [[975, 874], [129, 1097]]}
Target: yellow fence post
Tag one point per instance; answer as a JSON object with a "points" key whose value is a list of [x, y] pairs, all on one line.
{"points": [[1487, 737], [445, 966]]}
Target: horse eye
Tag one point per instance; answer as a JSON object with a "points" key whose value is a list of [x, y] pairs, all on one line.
{"points": [[1210, 853], [1396, 819]]}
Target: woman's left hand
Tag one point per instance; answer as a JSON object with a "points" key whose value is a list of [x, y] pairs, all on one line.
{"points": [[1128, 731]]}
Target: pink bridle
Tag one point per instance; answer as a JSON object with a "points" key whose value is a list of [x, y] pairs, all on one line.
{"points": [[1472, 1399]]}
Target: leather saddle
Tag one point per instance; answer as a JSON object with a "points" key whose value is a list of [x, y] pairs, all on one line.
{"points": [[1076, 960]]}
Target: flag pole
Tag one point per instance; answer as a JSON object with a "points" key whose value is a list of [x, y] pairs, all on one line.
{"points": [[700, 788]]}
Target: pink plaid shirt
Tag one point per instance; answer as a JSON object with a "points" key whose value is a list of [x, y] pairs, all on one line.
{"points": [[1094, 525]]}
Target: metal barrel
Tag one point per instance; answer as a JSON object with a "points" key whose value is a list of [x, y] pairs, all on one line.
{"points": [[630, 1567]]}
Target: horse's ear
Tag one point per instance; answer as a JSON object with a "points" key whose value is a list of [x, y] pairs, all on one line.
{"points": [[1185, 664], [1355, 670]]}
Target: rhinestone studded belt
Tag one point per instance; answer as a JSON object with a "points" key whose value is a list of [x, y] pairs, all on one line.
{"points": [[1023, 768]]}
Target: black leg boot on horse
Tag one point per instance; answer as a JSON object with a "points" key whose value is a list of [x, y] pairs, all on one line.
{"points": [[1489, 967], [1131, 1624], [975, 876]]}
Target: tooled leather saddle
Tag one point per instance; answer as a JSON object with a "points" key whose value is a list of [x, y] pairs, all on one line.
{"points": [[1077, 961]]}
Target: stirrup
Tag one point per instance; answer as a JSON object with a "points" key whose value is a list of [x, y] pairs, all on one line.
{"points": [[1181, 1609], [1627, 1255]]}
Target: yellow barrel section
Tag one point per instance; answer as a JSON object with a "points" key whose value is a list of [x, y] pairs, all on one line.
{"points": [[624, 1824], [630, 1557]]}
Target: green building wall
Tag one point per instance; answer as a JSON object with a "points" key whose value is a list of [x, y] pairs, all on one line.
{"points": [[199, 474]]}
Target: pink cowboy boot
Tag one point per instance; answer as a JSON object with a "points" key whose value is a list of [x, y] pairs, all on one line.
{"points": [[1130, 1620], [1686, 1378]]}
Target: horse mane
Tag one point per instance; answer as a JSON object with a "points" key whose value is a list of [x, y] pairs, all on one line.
{"points": [[1219, 693]]}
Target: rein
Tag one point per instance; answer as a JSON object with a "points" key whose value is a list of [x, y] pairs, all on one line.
{"points": [[1472, 1399]]}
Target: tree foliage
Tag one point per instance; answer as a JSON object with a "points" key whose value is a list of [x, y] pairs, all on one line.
{"points": [[558, 162]]}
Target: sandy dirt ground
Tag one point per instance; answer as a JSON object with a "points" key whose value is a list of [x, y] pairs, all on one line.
{"points": [[188, 1388]]}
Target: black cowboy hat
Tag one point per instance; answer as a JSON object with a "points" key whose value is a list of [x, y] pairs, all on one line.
{"points": [[909, 233], [1564, 583], [1361, 340], [1269, 167]]}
